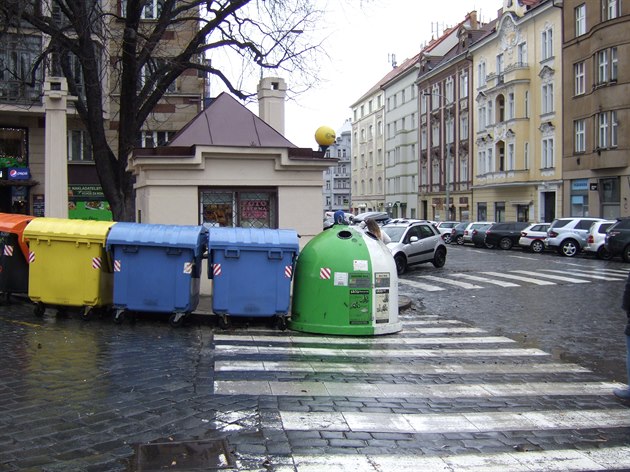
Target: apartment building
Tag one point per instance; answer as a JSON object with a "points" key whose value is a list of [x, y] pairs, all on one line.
{"points": [[336, 193], [445, 101], [596, 108], [41, 134], [518, 115]]}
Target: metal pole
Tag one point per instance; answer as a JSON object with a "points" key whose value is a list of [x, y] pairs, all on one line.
{"points": [[447, 176]]}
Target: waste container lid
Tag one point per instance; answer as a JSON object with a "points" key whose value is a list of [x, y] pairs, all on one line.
{"points": [[60, 229], [252, 238], [144, 234], [11, 223]]}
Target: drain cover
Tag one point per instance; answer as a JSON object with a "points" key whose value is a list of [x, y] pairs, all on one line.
{"points": [[209, 455]]}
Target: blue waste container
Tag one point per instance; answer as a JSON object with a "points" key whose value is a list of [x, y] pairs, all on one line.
{"points": [[251, 270], [157, 268]]}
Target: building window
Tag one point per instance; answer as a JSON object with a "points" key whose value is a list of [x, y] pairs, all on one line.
{"points": [[547, 98], [614, 128], [79, 146], [602, 126], [435, 97], [482, 211], [463, 127], [499, 64], [602, 66], [490, 114], [610, 9], [511, 157], [522, 213], [247, 208], [489, 160], [579, 144], [510, 106], [150, 139], [435, 134], [547, 44], [526, 156], [499, 212], [481, 162], [481, 71], [463, 84], [579, 197], [580, 20], [370, 106], [526, 104], [580, 78], [13, 147], [547, 153], [449, 90], [152, 71], [151, 11], [18, 55], [522, 54], [423, 103], [423, 138], [613, 63]]}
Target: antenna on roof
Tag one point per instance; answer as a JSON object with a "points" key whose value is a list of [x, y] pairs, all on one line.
{"points": [[391, 57]]}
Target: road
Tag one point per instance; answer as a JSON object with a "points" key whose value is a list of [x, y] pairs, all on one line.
{"points": [[570, 307], [494, 370]]}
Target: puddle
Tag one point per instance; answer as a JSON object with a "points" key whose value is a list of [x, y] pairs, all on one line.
{"points": [[185, 455]]}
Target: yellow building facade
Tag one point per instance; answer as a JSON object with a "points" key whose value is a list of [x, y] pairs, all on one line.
{"points": [[516, 149]]}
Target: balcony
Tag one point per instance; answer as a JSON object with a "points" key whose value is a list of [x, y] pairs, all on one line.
{"points": [[14, 91]]}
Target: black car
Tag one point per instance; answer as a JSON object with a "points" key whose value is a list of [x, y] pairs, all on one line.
{"points": [[505, 235], [479, 236], [457, 233], [618, 239]]}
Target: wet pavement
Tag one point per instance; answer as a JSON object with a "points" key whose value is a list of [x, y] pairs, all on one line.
{"points": [[441, 395]]}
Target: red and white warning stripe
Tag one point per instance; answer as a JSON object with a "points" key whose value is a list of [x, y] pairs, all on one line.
{"points": [[288, 271], [216, 269], [324, 273], [96, 263], [8, 250], [31, 257], [117, 265], [188, 267]]}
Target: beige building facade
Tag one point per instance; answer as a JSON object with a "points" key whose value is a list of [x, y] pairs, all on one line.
{"points": [[517, 166], [596, 108]]}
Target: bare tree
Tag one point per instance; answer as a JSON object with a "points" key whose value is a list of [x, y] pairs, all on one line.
{"points": [[121, 43]]}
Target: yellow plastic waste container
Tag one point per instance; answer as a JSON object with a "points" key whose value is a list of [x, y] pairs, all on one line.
{"points": [[68, 264]]}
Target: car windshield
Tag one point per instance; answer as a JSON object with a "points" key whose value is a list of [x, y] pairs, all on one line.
{"points": [[395, 233]]}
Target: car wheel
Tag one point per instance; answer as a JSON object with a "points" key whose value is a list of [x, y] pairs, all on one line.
{"points": [[603, 253], [569, 248], [401, 264], [537, 246], [439, 258], [460, 240], [626, 254], [506, 244], [488, 245], [447, 238]]}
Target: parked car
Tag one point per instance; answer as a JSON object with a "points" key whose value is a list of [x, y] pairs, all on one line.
{"points": [[618, 239], [415, 242], [471, 227], [478, 237], [457, 233], [568, 235], [596, 239], [445, 228], [506, 234], [533, 237], [381, 217]]}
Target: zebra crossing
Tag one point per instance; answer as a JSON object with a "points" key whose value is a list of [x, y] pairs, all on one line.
{"points": [[512, 278], [441, 395]]}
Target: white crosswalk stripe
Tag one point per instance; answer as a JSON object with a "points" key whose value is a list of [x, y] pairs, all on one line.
{"points": [[519, 277], [450, 282], [552, 276], [476, 278], [243, 357], [584, 273]]}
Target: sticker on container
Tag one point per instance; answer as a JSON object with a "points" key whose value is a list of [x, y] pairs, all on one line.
{"points": [[381, 279], [216, 269], [288, 271], [341, 279], [359, 280], [324, 273], [31, 257], [8, 250], [96, 263], [188, 266], [360, 264], [381, 313], [359, 307], [117, 265]]}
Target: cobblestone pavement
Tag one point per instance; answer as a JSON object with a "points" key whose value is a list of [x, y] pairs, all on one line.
{"points": [[441, 395]]}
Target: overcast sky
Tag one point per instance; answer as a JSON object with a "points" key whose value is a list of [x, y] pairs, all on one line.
{"points": [[361, 36]]}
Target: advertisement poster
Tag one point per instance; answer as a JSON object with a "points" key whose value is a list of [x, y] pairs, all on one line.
{"points": [[87, 202]]}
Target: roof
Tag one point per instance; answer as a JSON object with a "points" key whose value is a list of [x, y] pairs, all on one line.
{"points": [[226, 122]]}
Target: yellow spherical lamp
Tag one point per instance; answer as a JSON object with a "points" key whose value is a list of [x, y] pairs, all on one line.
{"points": [[325, 136]]}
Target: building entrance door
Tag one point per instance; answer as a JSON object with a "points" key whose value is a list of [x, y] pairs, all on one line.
{"points": [[549, 206]]}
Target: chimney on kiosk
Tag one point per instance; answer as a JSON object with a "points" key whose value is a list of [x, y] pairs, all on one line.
{"points": [[272, 92]]}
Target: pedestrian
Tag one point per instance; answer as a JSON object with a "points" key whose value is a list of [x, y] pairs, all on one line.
{"points": [[340, 218], [624, 393], [371, 226]]}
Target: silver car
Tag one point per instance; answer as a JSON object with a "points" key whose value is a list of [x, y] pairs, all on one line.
{"points": [[596, 239], [568, 235], [415, 242]]}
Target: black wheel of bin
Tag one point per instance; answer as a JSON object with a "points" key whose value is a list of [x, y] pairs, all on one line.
{"points": [[401, 264], [86, 314], [6, 298], [119, 316], [224, 322], [176, 319], [39, 309], [62, 312], [282, 323], [537, 246]]}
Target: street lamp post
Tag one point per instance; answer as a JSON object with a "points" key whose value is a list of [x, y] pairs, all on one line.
{"points": [[448, 158]]}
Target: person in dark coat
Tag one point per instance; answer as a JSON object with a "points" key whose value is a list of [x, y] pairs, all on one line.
{"points": [[624, 393], [340, 218]]}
